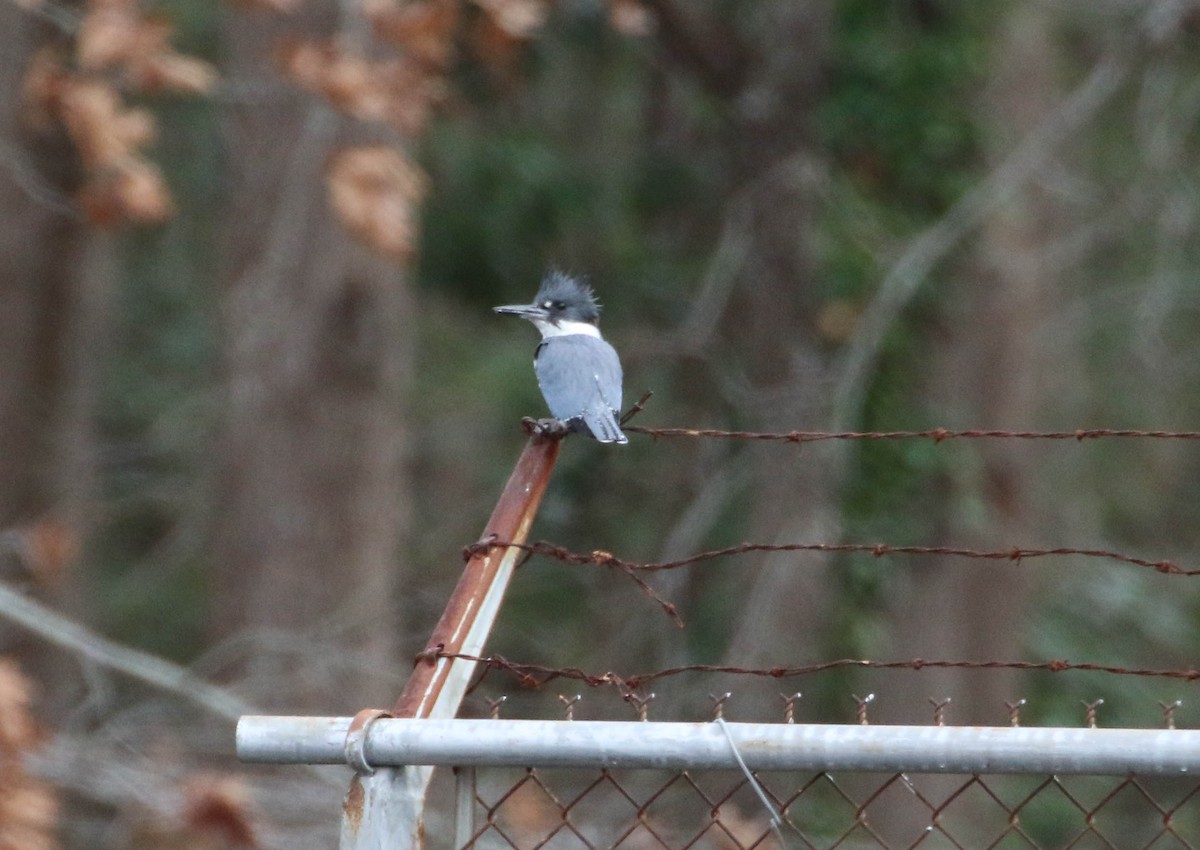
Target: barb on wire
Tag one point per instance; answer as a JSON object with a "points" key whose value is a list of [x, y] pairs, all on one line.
{"points": [[935, 434], [537, 675], [607, 559]]}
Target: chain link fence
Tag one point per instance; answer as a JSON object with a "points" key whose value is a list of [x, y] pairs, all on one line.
{"points": [[562, 809]]}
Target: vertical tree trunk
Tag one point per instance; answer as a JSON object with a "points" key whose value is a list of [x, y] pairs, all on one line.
{"points": [[987, 377], [992, 368], [56, 287], [772, 318], [311, 480]]}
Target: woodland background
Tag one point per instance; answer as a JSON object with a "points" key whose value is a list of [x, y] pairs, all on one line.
{"points": [[253, 401]]}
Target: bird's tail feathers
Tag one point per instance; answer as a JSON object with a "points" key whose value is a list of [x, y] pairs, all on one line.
{"points": [[602, 422]]}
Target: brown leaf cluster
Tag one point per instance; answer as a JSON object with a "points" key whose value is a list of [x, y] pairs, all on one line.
{"points": [[424, 31], [216, 814], [28, 807], [375, 192], [519, 19], [115, 36], [117, 50], [393, 91], [219, 805]]}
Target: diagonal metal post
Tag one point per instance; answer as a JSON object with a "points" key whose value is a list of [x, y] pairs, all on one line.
{"points": [[383, 809]]}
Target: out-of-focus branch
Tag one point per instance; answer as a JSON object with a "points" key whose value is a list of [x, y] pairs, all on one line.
{"points": [[84, 643], [716, 59], [928, 249], [25, 177]]}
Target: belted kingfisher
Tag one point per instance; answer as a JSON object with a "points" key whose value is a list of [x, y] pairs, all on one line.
{"points": [[579, 373]]}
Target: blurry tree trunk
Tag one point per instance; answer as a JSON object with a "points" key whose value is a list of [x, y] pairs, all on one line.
{"points": [[56, 287], [311, 481], [996, 368], [989, 377], [771, 317]]}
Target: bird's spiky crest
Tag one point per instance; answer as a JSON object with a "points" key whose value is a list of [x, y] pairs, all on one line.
{"points": [[559, 286]]}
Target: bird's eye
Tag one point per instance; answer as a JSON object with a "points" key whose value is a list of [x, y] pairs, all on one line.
{"points": [[558, 305]]}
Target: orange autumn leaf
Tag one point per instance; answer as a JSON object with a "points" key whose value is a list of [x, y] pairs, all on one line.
{"points": [[423, 30], [520, 19], [630, 17], [132, 189], [98, 123], [47, 548], [42, 86], [107, 37], [391, 91], [374, 192], [219, 805], [173, 72]]}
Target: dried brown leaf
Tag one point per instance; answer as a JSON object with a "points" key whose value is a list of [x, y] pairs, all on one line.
{"points": [[219, 804], [392, 91], [374, 192], [108, 36], [173, 72], [132, 189], [518, 18], [630, 17], [17, 732], [42, 85], [102, 128], [47, 549], [424, 30]]}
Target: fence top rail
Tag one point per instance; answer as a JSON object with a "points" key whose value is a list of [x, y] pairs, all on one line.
{"points": [[682, 746]]}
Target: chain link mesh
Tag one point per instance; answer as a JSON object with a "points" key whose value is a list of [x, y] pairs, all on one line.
{"points": [[570, 809]]}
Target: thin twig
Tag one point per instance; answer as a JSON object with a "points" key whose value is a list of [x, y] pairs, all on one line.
{"points": [[935, 243]]}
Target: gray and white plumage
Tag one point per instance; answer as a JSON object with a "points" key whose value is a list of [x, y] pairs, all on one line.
{"points": [[578, 372]]}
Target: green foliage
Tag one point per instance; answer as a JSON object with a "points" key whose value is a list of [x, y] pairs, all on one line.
{"points": [[895, 115]]}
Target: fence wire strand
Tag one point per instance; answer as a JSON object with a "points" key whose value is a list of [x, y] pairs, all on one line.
{"points": [[937, 435], [600, 557], [530, 675]]}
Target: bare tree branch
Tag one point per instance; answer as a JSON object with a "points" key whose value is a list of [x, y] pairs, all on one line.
{"points": [[932, 246], [716, 59], [85, 643]]}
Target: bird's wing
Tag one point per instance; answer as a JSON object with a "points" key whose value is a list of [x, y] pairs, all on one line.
{"points": [[582, 373]]}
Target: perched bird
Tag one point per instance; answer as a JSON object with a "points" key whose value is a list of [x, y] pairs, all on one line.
{"points": [[579, 373]]}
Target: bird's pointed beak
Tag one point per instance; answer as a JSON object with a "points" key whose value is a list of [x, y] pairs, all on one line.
{"points": [[525, 311]]}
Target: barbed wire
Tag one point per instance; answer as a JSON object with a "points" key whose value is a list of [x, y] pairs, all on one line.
{"points": [[936, 434], [599, 557], [603, 558], [536, 675]]}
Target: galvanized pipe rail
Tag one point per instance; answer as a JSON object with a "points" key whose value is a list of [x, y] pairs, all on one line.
{"points": [[688, 746]]}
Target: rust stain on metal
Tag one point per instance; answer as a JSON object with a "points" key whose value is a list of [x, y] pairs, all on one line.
{"points": [[352, 806], [510, 521]]}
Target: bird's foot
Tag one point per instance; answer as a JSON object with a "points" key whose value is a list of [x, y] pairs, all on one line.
{"points": [[553, 429]]}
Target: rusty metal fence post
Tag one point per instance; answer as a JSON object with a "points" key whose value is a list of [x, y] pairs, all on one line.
{"points": [[384, 807]]}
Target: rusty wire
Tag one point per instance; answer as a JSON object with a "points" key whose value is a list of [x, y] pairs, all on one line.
{"points": [[600, 557], [935, 434], [536, 675]]}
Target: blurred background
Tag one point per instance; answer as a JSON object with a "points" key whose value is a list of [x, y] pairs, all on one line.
{"points": [[254, 402]]}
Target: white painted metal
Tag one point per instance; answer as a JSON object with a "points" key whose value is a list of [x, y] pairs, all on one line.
{"points": [[764, 746], [464, 806]]}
